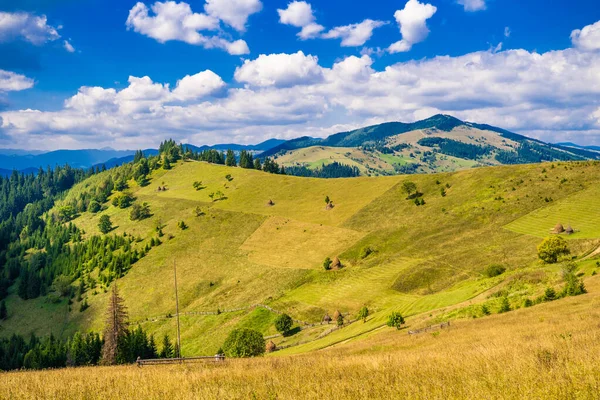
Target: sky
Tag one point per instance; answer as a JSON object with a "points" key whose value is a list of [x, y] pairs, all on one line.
{"points": [[127, 75]]}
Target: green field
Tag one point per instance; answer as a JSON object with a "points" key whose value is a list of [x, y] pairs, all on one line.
{"points": [[424, 261], [581, 211]]}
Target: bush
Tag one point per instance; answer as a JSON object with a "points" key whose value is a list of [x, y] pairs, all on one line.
{"points": [[549, 294], [366, 252], [139, 212], [94, 207], [283, 324], [104, 224], [182, 225], [485, 310], [527, 303], [244, 343], [363, 313], [494, 270], [327, 264], [395, 320], [552, 248], [505, 305]]}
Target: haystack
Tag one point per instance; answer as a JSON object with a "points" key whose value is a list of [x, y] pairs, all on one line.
{"points": [[159, 188], [336, 263], [271, 347], [329, 206], [327, 318], [270, 203], [558, 228], [569, 230], [336, 315]]}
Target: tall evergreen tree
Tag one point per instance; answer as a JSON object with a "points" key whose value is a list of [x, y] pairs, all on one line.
{"points": [[230, 159], [3, 311], [116, 327]]}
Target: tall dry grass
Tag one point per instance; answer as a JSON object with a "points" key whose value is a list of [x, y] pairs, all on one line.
{"points": [[550, 351]]}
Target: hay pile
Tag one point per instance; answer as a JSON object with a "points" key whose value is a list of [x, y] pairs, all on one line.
{"points": [[336, 263], [558, 228], [271, 347]]}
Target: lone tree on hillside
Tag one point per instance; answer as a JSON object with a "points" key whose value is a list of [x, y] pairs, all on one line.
{"points": [[116, 327], [409, 187], [104, 224], [244, 343], [552, 248], [395, 320], [363, 313], [283, 324]]}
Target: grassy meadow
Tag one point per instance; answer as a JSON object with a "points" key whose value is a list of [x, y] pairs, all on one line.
{"points": [[549, 351], [426, 260]]}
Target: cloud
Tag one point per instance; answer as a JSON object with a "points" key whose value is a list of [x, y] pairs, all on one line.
{"points": [[354, 34], [588, 38], [507, 31], [68, 46], [10, 81], [472, 5], [197, 86], [235, 13], [551, 96], [280, 70], [31, 28], [300, 15], [413, 25], [176, 21]]}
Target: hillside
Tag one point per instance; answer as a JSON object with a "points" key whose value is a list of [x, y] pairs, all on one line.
{"points": [[254, 238], [441, 143]]}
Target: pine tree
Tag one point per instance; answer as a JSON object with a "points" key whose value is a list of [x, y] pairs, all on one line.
{"points": [[167, 348], [116, 327], [230, 159], [3, 312], [257, 165]]}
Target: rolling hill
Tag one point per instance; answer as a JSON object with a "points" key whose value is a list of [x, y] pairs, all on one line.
{"points": [[252, 244], [441, 143]]}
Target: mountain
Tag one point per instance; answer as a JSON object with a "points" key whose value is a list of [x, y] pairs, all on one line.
{"points": [[441, 143], [25, 159], [570, 144]]}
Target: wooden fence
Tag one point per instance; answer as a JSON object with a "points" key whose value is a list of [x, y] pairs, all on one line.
{"points": [[430, 328], [161, 361]]}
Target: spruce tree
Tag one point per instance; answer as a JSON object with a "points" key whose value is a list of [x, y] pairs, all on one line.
{"points": [[116, 327], [230, 159]]}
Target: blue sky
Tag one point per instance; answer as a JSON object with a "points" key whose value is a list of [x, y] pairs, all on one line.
{"points": [[77, 74]]}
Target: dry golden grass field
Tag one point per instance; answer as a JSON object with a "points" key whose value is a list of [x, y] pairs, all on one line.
{"points": [[549, 351]]}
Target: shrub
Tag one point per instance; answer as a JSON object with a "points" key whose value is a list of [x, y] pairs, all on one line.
{"points": [[94, 206], [104, 224], [574, 286], [552, 248], [494, 270], [549, 294], [395, 320], [527, 303], [327, 264], [283, 324], [139, 212], [363, 313], [182, 225], [366, 252], [485, 310], [504, 305], [244, 343]]}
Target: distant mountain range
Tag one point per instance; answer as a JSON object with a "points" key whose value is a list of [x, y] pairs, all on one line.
{"points": [[31, 161], [441, 143], [436, 144]]}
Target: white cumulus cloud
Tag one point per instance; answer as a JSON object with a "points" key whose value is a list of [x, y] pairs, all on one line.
{"points": [[473, 5], [234, 13], [354, 34], [176, 21], [300, 15], [68, 46], [280, 70], [588, 38], [10, 81], [197, 86], [413, 25], [27, 26]]}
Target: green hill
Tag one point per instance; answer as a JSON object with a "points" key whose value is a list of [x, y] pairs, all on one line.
{"points": [[440, 143], [257, 246]]}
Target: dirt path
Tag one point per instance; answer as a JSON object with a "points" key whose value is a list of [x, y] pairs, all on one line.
{"points": [[592, 254]]}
